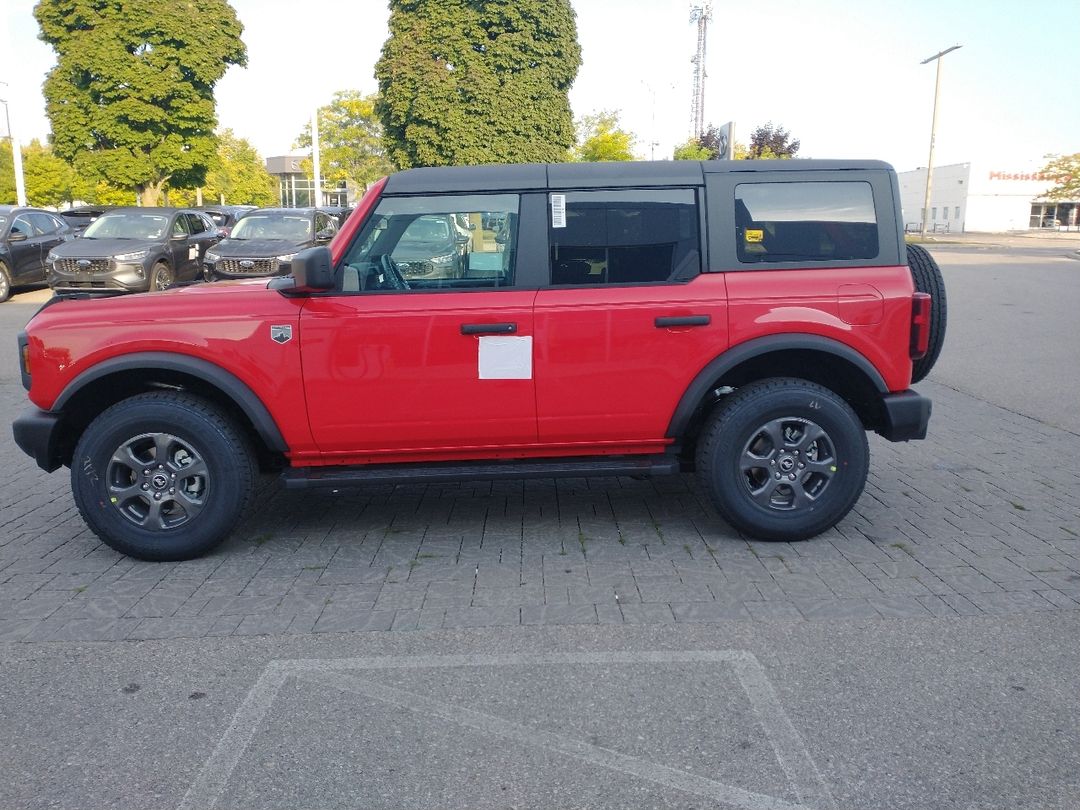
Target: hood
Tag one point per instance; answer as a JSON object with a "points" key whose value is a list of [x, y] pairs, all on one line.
{"points": [[257, 248], [83, 248], [408, 251]]}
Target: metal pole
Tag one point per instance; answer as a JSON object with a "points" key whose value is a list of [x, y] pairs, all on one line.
{"points": [[933, 135], [16, 156], [316, 169]]}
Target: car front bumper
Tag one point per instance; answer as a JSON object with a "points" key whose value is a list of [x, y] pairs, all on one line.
{"points": [[125, 277], [907, 415]]}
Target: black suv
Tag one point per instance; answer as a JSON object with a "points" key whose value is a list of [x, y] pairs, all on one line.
{"points": [[263, 242], [26, 237], [133, 250]]}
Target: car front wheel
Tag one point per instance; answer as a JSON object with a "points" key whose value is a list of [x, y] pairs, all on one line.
{"points": [[783, 459], [163, 476]]}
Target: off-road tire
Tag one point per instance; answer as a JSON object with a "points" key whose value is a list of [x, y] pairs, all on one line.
{"points": [[157, 444], [927, 277], [834, 467]]}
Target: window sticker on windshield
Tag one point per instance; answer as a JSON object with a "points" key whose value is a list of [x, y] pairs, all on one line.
{"points": [[193, 252], [558, 210], [505, 358], [755, 235]]}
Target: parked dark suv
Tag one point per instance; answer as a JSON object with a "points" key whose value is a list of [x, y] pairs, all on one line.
{"points": [[26, 237], [263, 242], [133, 250], [749, 321]]}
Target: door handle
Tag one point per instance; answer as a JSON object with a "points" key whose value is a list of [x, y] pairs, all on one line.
{"points": [[488, 328], [667, 321]]}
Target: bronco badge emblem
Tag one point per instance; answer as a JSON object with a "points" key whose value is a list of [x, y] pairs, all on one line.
{"points": [[281, 334]]}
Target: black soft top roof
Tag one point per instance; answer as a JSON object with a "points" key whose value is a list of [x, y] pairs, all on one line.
{"points": [[545, 176]]}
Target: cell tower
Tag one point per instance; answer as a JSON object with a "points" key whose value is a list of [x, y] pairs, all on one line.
{"points": [[700, 13]]}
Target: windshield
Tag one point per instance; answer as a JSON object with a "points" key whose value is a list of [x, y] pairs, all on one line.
{"points": [[273, 226], [427, 229], [128, 226]]}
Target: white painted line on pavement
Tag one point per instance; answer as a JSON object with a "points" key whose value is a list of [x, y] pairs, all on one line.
{"points": [[791, 752]]}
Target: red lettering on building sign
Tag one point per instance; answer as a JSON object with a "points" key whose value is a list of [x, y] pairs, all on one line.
{"points": [[1040, 176]]}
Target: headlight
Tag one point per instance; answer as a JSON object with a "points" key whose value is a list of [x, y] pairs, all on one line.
{"points": [[288, 257], [210, 257], [133, 256], [449, 258]]}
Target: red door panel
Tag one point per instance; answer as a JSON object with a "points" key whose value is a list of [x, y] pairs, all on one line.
{"points": [[605, 371], [392, 374]]}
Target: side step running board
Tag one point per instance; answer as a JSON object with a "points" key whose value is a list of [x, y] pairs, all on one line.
{"points": [[311, 477]]}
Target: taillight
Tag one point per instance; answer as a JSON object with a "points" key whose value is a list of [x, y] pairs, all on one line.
{"points": [[920, 325]]}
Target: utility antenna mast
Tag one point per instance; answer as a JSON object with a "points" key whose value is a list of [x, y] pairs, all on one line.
{"points": [[700, 13]]}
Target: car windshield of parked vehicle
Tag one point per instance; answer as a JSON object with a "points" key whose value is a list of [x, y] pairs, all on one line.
{"points": [[292, 227], [127, 226]]}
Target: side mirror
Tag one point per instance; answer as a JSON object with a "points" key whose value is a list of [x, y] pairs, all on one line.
{"points": [[178, 236], [324, 236], [312, 269], [16, 236]]}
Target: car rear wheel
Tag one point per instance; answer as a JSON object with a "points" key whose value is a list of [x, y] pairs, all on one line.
{"points": [[928, 279], [161, 277], [163, 476], [5, 283], [783, 459]]}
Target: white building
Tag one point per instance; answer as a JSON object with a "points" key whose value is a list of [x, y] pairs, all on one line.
{"points": [[985, 197]]}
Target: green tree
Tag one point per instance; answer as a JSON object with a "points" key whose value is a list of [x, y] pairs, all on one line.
{"points": [[238, 176], [7, 174], [601, 138], [462, 82], [693, 150], [769, 142], [131, 98], [50, 181], [350, 140], [1065, 169]]}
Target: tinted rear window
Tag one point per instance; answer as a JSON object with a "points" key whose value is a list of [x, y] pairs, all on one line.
{"points": [[813, 221]]}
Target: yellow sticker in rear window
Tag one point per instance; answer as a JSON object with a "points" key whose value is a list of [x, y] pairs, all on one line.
{"points": [[755, 235]]}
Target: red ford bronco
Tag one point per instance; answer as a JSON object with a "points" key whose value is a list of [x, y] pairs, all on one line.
{"points": [[748, 320]]}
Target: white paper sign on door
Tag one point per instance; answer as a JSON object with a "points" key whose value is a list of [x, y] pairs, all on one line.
{"points": [[505, 358]]}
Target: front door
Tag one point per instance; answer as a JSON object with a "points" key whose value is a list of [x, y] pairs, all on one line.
{"points": [[26, 253], [425, 350]]}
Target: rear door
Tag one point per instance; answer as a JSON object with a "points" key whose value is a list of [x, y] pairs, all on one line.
{"points": [[203, 237], [424, 362], [627, 319]]}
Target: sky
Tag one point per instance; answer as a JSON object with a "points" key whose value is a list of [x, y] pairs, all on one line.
{"points": [[843, 76]]}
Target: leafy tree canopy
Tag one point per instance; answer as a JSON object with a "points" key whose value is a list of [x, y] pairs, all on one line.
{"points": [[769, 142], [7, 174], [350, 140], [50, 181], [131, 96], [462, 82], [693, 150], [1066, 170], [601, 138], [708, 146], [238, 176]]}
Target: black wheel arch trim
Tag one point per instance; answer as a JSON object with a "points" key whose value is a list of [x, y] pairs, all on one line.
{"points": [[225, 381], [756, 347]]}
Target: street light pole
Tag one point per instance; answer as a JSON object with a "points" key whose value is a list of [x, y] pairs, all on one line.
{"points": [[16, 155], [933, 132]]}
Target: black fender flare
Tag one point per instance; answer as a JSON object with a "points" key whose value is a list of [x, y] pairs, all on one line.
{"points": [[225, 381], [756, 347]]}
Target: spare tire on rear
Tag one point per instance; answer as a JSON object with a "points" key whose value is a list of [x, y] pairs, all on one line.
{"points": [[927, 277]]}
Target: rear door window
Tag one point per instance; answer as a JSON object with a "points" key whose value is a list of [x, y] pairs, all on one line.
{"points": [[623, 237], [805, 221]]}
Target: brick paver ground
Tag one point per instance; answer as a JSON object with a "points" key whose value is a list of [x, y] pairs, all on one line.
{"points": [[982, 518]]}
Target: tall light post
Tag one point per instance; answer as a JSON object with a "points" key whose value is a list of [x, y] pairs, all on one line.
{"points": [[933, 132], [16, 155]]}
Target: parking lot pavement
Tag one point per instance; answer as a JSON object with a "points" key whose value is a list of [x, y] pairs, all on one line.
{"points": [[982, 518]]}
